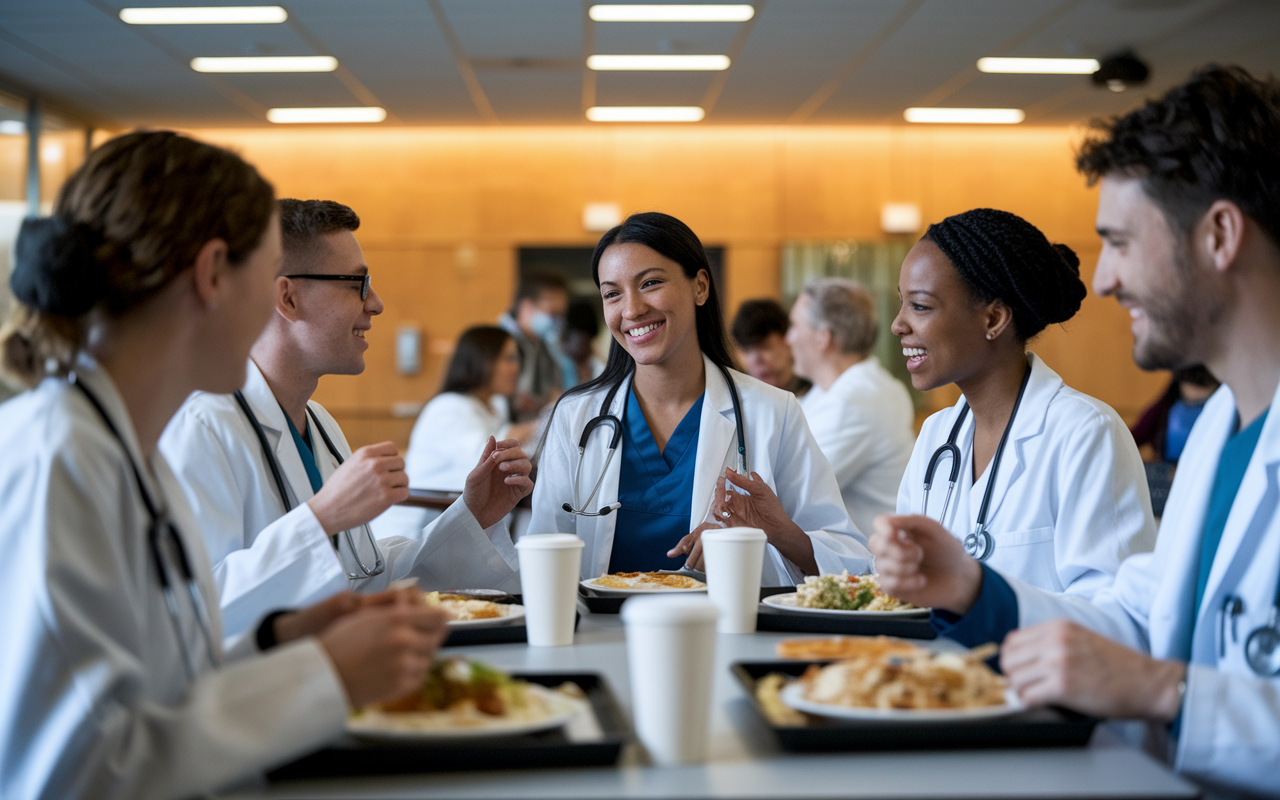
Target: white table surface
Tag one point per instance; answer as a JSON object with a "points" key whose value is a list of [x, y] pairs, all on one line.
{"points": [[746, 761]]}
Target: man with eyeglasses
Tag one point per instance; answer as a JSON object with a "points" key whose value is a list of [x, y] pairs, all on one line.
{"points": [[283, 502]]}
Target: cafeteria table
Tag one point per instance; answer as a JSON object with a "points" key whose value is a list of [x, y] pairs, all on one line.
{"points": [[745, 760]]}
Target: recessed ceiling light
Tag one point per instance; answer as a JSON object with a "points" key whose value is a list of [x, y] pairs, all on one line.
{"points": [[216, 15], [672, 13], [645, 113], [288, 116], [12, 127], [266, 64], [1040, 66], [603, 62], [976, 116]]}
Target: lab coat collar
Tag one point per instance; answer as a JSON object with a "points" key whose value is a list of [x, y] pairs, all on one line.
{"points": [[858, 373], [1042, 386], [271, 416], [717, 441], [1251, 511]]}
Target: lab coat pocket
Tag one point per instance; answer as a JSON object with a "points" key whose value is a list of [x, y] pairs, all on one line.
{"points": [[1029, 555]]}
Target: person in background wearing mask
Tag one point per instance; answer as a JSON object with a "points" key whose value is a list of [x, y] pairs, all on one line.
{"points": [[1185, 638], [535, 320], [860, 415], [151, 281], [582, 326], [271, 551], [1166, 425], [759, 330]]}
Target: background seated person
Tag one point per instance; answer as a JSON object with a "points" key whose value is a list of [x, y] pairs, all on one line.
{"points": [[535, 320], [669, 387], [760, 332], [860, 415]]}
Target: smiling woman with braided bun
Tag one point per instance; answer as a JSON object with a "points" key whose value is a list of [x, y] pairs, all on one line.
{"points": [[1069, 500]]}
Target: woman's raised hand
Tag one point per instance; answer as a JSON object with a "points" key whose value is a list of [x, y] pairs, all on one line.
{"points": [[758, 506], [920, 562], [384, 650]]}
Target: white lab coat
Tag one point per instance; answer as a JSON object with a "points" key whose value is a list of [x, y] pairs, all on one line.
{"points": [[95, 699], [1230, 732], [264, 558], [865, 425], [1070, 501], [779, 447], [447, 440]]}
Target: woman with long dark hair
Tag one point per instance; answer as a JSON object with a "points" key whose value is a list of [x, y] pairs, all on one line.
{"points": [[694, 437], [452, 430]]}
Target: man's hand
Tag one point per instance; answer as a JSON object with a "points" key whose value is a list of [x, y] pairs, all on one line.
{"points": [[361, 488], [918, 561], [383, 651], [1066, 664], [498, 482], [313, 619]]}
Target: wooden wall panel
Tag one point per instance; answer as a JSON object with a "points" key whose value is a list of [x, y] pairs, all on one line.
{"points": [[444, 211]]}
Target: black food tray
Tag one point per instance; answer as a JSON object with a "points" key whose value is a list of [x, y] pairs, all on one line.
{"points": [[495, 634], [599, 603], [1046, 727], [357, 757], [772, 619]]}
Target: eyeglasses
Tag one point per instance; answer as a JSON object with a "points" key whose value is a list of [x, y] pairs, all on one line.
{"points": [[363, 280]]}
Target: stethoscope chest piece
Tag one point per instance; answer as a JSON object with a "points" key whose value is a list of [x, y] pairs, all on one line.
{"points": [[1262, 648], [979, 545]]}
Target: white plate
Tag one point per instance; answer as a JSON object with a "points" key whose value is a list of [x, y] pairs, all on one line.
{"points": [[514, 613], [420, 727], [793, 696], [787, 602], [635, 590]]}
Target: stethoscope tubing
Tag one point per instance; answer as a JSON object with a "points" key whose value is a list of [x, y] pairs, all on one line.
{"points": [[160, 523], [604, 418], [979, 544], [273, 465]]}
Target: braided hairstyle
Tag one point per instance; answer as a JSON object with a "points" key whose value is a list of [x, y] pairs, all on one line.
{"points": [[1003, 257]]}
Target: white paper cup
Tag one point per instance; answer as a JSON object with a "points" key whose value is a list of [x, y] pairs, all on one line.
{"points": [[734, 559], [671, 649], [549, 567]]}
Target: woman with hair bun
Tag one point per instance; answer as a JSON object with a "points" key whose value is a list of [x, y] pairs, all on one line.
{"points": [[151, 281], [1049, 487]]}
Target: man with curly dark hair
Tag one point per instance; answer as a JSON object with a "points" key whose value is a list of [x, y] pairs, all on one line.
{"points": [[1187, 637]]}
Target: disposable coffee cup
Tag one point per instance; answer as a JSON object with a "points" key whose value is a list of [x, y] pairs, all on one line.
{"points": [[549, 567], [734, 559], [671, 650]]}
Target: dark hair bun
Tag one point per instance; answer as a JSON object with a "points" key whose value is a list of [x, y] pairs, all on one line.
{"points": [[55, 267], [1003, 257]]}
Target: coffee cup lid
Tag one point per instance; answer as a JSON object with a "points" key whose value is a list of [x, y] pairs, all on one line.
{"points": [[549, 541], [736, 535], [672, 609]]}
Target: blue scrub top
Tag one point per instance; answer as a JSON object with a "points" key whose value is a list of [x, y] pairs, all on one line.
{"points": [[656, 491]]}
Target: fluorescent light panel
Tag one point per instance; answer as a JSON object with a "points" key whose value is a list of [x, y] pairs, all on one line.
{"points": [[212, 15], [266, 64], [669, 63], [645, 114], [1040, 66], [289, 116], [12, 127], [671, 13], [963, 116]]}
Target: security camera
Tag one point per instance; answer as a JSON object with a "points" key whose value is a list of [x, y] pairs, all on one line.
{"points": [[1120, 71]]}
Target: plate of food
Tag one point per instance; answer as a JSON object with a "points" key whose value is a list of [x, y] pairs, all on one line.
{"points": [[625, 583], [916, 685], [850, 595], [463, 699], [470, 612]]}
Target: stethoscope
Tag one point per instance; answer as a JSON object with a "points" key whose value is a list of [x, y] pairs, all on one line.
{"points": [[979, 544], [605, 419], [161, 526], [274, 465]]}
